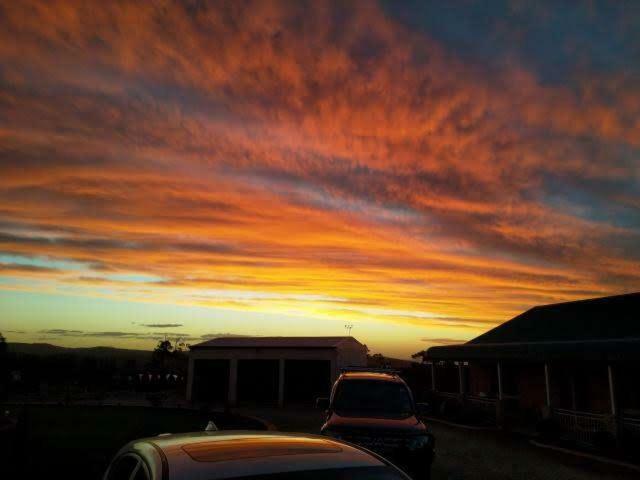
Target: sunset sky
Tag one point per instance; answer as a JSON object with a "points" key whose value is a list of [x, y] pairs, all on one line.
{"points": [[421, 170]]}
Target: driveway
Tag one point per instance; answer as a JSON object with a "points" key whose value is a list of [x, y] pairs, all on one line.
{"points": [[473, 454]]}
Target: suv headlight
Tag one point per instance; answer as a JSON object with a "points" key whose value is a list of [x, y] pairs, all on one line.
{"points": [[420, 442]]}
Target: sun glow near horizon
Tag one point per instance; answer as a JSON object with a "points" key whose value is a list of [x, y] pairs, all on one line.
{"points": [[275, 169]]}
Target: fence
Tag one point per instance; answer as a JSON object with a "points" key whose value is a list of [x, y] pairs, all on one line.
{"points": [[583, 427], [447, 395], [484, 406], [630, 429]]}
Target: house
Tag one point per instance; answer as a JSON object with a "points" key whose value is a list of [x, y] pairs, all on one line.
{"points": [[577, 363], [269, 370]]}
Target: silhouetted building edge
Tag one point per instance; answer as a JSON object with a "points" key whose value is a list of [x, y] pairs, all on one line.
{"points": [[269, 369], [574, 362]]}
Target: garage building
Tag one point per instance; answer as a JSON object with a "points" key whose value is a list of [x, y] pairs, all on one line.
{"points": [[269, 370]]}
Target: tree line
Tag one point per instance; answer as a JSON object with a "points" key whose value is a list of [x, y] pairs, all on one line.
{"points": [[79, 372]]}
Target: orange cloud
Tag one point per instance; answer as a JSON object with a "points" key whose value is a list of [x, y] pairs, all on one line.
{"points": [[324, 155]]}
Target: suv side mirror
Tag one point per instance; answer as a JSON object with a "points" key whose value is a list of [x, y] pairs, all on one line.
{"points": [[322, 403], [423, 408]]}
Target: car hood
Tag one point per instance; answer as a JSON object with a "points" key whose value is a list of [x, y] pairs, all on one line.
{"points": [[409, 425]]}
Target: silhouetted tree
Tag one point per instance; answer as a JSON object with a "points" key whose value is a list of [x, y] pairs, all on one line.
{"points": [[3, 346], [419, 355], [169, 356], [162, 353], [377, 360]]}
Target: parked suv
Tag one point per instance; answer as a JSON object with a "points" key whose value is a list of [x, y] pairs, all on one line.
{"points": [[375, 409]]}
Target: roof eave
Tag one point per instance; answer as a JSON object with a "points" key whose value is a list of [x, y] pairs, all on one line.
{"points": [[617, 349]]}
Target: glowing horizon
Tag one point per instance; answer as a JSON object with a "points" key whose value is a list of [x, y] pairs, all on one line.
{"points": [[274, 168]]}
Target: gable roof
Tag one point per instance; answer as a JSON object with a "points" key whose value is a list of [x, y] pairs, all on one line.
{"points": [[598, 328], [603, 318], [274, 342]]}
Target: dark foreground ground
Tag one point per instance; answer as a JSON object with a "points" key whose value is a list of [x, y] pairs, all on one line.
{"points": [[471, 454], [476, 454], [77, 442]]}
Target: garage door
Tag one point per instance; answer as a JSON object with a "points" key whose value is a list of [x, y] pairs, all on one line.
{"points": [[305, 380], [258, 381], [210, 380]]}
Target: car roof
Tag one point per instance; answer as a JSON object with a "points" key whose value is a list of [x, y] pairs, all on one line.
{"points": [[229, 454], [364, 375]]}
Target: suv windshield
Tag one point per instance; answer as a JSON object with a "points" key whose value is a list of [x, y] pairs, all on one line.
{"points": [[370, 398]]}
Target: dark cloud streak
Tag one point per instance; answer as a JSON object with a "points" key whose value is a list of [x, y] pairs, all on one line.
{"points": [[342, 148]]}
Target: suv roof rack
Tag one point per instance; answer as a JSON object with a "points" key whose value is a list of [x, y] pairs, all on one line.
{"points": [[389, 371]]}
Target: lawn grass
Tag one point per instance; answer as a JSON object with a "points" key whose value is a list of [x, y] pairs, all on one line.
{"points": [[79, 441]]}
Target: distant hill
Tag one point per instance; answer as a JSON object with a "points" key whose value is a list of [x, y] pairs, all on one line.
{"points": [[45, 349], [143, 356]]}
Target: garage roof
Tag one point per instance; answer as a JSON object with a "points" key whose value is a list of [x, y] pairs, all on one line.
{"points": [[274, 342]]}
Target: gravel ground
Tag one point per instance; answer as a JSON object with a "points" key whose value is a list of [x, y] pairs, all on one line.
{"points": [[474, 454], [463, 454]]}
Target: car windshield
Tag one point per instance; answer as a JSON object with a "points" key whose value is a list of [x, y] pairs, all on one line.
{"points": [[351, 473], [372, 398]]}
